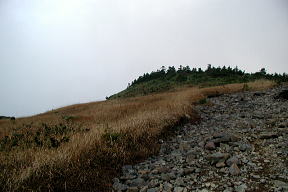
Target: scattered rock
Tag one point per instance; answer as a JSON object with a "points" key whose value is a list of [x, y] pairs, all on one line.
{"points": [[220, 164], [132, 189], [234, 169], [188, 171], [137, 182], [152, 190], [190, 157], [119, 187], [217, 157], [167, 186], [256, 176], [210, 145], [233, 160], [184, 146], [204, 190], [268, 135], [144, 189], [282, 185], [224, 138], [241, 188], [178, 189], [154, 183], [243, 129]]}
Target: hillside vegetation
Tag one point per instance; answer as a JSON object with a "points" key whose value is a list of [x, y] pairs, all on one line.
{"points": [[82, 147], [171, 78]]}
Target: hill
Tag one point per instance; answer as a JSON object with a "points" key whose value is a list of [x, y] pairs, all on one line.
{"points": [[171, 78], [83, 147]]}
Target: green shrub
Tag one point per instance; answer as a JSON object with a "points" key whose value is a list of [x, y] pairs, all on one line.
{"points": [[202, 101], [68, 118], [38, 141], [53, 142]]}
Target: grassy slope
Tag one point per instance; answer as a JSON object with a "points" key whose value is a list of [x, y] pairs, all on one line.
{"points": [[82, 147], [163, 80]]}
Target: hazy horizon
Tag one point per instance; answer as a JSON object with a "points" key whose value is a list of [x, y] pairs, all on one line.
{"points": [[55, 53]]}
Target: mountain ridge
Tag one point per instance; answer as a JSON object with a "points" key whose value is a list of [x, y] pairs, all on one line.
{"points": [[165, 79]]}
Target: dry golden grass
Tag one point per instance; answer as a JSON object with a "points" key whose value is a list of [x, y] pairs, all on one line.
{"points": [[103, 136]]}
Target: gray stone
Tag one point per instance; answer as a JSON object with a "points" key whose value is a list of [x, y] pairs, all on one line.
{"points": [[220, 164], [234, 169], [282, 185], [132, 189], [256, 176], [152, 190], [116, 180], [241, 188], [144, 189], [188, 171], [229, 189], [262, 180], [210, 145], [128, 169], [245, 147], [204, 190], [163, 169], [190, 157], [172, 175], [232, 160], [167, 186], [138, 182], [128, 177], [153, 183], [185, 146], [224, 138], [268, 135], [180, 182], [119, 187], [224, 146], [180, 172], [165, 177], [178, 189], [217, 157]]}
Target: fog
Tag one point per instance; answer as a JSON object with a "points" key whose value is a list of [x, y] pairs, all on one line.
{"points": [[59, 52]]}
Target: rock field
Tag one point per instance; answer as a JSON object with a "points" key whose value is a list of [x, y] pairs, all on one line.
{"points": [[240, 144]]}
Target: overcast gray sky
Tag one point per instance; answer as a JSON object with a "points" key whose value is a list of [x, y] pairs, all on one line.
{"points": [[59, 52]]}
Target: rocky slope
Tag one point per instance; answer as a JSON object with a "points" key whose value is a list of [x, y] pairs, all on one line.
{"points": [[241, 144]]}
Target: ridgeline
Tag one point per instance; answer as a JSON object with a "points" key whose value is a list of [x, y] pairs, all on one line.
{"points": [[171, 78]]}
